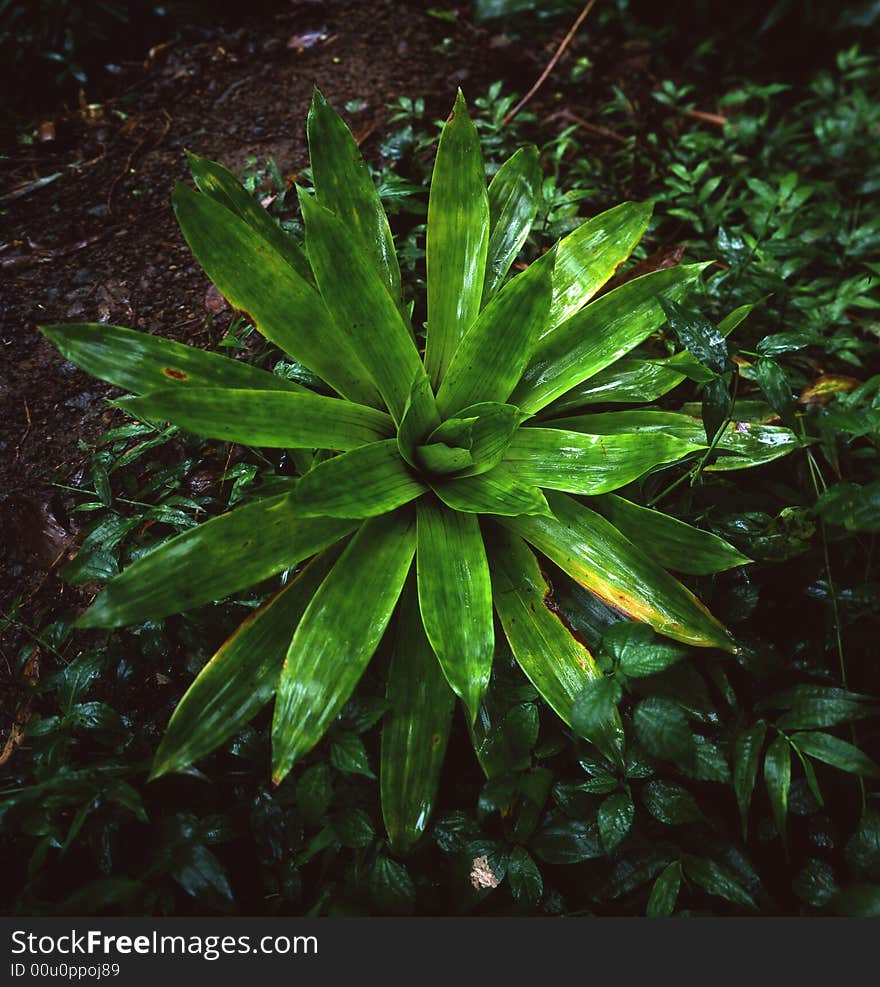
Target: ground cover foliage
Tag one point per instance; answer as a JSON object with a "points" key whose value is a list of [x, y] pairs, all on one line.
{"points": [[749, 784]]}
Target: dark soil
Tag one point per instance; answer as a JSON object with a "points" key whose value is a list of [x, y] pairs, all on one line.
{"points": [[100, 243]]}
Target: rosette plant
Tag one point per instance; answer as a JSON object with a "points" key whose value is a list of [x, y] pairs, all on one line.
{"points": [[433, 479]]}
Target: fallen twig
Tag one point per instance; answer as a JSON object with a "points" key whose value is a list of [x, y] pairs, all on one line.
{"points": [[566, 41], [593, 128]]}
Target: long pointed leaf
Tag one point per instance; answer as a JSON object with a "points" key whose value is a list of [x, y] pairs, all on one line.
{"points": [[491, 357], [743, 443], [514, 196], [415, 729], [344, 186], [455, 597], [746, 761], [367, 482], [219, 557], [594, 553], [338, 634], [545, 648], [674, 544], [221, 185], [256, 279], [360, 305], [495, 492], [599, 334], [420, 418], [587, 257], [458, 239], [588, 464], [262, 418], [241, 677], [777, 778], [141, 363]]}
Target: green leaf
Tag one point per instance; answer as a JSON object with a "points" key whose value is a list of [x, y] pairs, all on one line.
{"points": [[203, 876], [344, 186], [567, 841], [558, 664], [415, 730], [596, 555], [853, 506], [746, 761], [338, 634], [348, 754], [588, 464], [495, 492], [662, 728], [441, 459], [392, 887], [594, 714], [420, 418], [458, 239], [221, 185], [485, 430], [504, 744], [492, 355], [638, 650], [366, 482], [625, 381], [716, 880], [823, 711], [859, 901], [863, 849], [615, 817], [363, 311], [256, 279], [670, 542], [526, 884], [219, 557], [664, 893], [139, 362], [671, 803], [744, 443], [514, 196], [697, 335], [455, 598], [599, 334], [353, 828], [770, 377], [314, 791], [241, 677], [777, 778], [279, 420], [587, 257], [836, 752], [815, 884]]}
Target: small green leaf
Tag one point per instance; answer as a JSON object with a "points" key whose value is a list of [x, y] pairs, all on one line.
{"points": [[638, 650], [671, 803], [836, 752], [697, 335], [615, 817], [392, 887], [746, 761], [664, 893], [567, 841], [777, 778], [595, 708], [716, 880], [662, 727], [314, 790], [526, 884], [348, 754]]}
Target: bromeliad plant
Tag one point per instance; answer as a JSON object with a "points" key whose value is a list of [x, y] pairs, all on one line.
{"points": [[430, 484]]}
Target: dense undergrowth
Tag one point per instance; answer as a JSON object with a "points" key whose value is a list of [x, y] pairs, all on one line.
{"points": [[750, 786]]}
